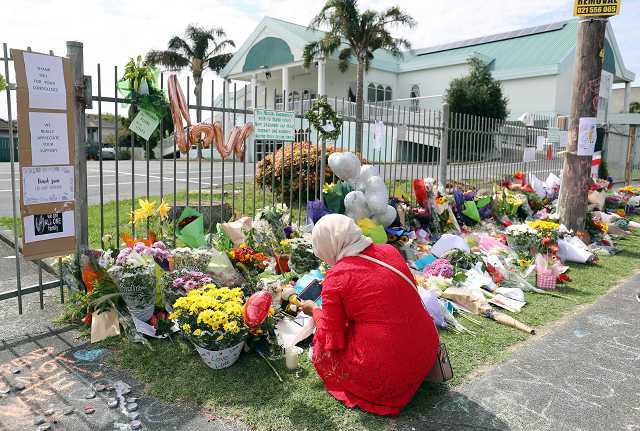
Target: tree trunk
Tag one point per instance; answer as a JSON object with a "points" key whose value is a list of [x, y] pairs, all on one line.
{"points": [[359, 104], [574, 192]]}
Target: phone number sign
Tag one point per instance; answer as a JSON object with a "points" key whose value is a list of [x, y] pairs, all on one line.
{"points": [[596, 7]]}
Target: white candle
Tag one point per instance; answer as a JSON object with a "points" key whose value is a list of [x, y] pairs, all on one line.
{"points": [[291, 357]]}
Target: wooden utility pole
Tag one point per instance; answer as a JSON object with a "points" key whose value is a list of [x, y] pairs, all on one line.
{"points": [[587, 70]]}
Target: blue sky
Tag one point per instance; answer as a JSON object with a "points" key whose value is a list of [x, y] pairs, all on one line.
{"points": [[115, 30]]}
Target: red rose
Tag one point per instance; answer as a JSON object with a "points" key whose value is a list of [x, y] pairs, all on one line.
{"points": [[506, 223], [554, 248], [564, 277], [528, 188], [593, 187]]}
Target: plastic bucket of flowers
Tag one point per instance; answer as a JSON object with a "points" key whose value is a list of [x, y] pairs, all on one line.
{"points": [[211, 318], [176, 284], [136, 279]]}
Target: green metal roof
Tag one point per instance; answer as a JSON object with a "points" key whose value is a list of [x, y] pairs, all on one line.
{"points": [[525, 51]]}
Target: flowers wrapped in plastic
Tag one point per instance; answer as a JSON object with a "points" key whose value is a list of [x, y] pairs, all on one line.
{"points": [[521, 237], [302, 259], [176, 284], [195, 260], [135, 277]]}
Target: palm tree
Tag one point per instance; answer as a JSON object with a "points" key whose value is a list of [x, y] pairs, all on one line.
{"points": [[200, 49], [357, 35]]}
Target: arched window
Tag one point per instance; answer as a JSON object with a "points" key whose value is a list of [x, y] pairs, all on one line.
{"points": [[380, 93], [388, 93], [415, 91], [371, 93]]}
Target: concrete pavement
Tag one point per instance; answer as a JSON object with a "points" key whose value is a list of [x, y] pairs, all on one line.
{"points": [[583, 375]]}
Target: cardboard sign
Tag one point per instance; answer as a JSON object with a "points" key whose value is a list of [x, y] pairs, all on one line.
{"points": [[596, 7], [46, 146]]}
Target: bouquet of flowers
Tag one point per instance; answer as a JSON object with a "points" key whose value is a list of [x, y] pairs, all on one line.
{"points": [[176, 284], [521, 237], [630, 191], [211, 317], [195, 260], [302, 259], [135, 277], [191, 228], [245, 257], [277, 218]]}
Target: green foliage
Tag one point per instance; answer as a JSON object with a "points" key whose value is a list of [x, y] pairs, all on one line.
{"points": [[634, 108], [319, 115], [292, 170], [477, 94], [136, 71], [603, 171], [3, 83]]}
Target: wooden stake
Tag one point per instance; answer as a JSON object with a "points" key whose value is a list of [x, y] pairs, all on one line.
{"points": [[587, 70]]}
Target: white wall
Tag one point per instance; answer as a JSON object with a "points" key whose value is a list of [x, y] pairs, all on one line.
{"points": [[564, 87], [432, 82], [536, 95]]}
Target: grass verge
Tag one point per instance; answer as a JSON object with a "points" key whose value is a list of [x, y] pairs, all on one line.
{"points": [[248, 391]]}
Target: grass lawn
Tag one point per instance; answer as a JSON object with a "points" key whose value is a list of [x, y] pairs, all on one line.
{"points": [[248, 391]]}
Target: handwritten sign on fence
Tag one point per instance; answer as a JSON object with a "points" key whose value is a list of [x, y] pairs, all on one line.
{"points": [[274, 125]]}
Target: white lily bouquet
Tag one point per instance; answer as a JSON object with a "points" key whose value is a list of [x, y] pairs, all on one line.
{"points": [[521, 237], [135, 277]]}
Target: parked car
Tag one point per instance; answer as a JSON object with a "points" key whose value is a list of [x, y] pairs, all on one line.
{"points": [[108, 153]]}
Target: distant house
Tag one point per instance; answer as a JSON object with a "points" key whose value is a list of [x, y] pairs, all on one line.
{"points": [[4, 141], [93, 126]]}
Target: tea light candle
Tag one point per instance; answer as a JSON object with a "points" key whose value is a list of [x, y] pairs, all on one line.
{"points": [[291, 357]]}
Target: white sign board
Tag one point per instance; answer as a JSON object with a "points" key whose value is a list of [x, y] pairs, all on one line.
{"points": [[41, 227], [563, 137], [49, 138], [45, 80], [553, 135], [42, 185], [540, 143], [274, 125]]}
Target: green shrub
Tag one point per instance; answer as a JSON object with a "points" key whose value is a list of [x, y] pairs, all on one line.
{"points": [[305, 159]]}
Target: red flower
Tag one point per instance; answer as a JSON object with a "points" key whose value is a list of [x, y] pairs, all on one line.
{"points": [[546, 240], [554, 258], [528, 188], [593, 187], [564, 277], [554, 248], [506, 183], [506, 223]]}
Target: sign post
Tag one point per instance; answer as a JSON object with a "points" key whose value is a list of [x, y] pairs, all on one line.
{"points": [[46, 144]]}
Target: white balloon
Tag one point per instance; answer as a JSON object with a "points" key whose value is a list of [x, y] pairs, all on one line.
{"points": [[377, 195], [387, 218], [358, 215], [355, 201], [366, 172], [345, 165]]}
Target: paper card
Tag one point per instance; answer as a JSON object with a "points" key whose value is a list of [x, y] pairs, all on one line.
{"points": [[45, 80], [329, 127], [41, 227], [47, 184], [377, 135], [512, 305], [563, 137], [49, 138], [587, 136], [540, 143], [529, 155], [553, 135], [402, 132], [144, 124], [146, 329]]}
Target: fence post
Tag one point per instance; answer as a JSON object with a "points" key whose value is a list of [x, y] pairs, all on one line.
{"points": [[444, 147], [75, 54]]}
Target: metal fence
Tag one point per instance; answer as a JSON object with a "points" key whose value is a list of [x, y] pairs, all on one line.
{"points": [[406, 146], [622, 153]]}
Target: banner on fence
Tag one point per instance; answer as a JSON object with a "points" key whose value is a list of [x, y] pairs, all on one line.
{"points": [[274, 125], [46, 145]]}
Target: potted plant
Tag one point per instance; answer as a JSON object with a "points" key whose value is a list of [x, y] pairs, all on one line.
{"points": [[212, 319]]}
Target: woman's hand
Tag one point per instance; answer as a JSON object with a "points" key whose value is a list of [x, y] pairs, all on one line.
{"points": [[307, 307]]}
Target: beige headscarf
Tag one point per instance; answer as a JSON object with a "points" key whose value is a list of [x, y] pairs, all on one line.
{"points": [[336, 236]]}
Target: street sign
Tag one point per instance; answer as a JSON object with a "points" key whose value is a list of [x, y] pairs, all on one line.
{"points": [[596, 7]]}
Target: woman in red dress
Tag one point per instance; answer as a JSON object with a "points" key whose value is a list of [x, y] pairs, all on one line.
{"points": [[374, 342]]}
